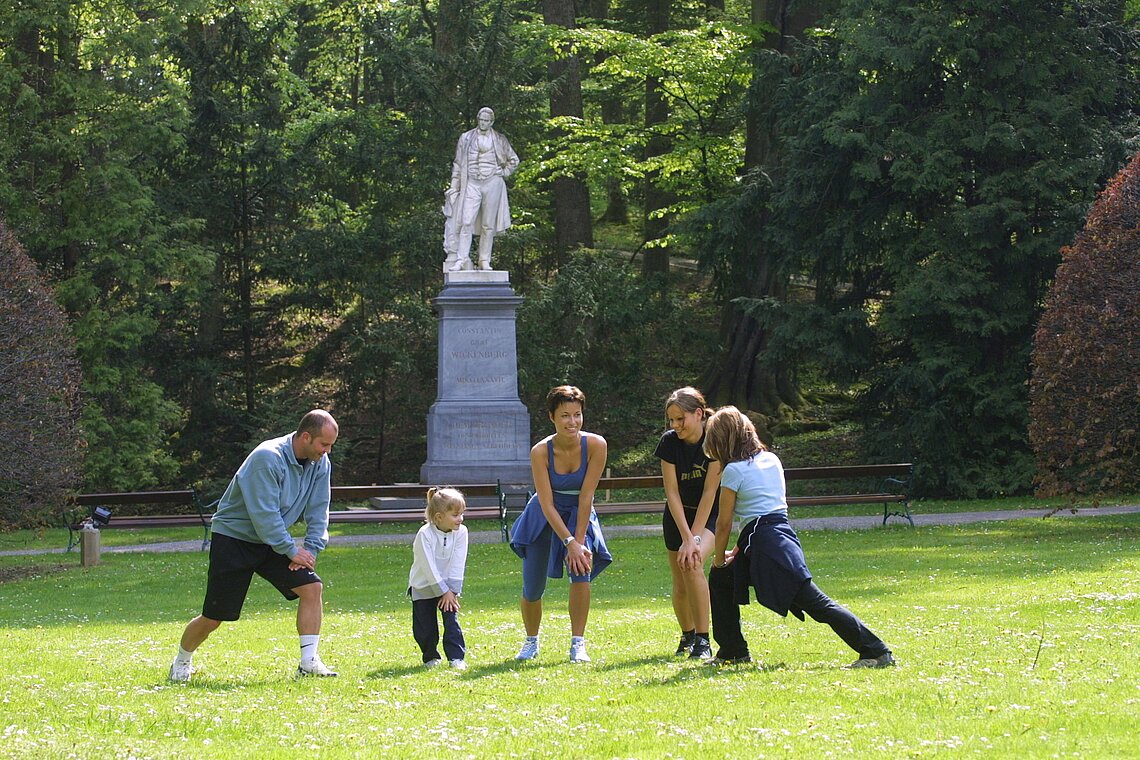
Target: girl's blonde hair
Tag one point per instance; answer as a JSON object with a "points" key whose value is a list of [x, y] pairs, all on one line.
{"points": [[731, 437], [441, 500], [688, 400]]}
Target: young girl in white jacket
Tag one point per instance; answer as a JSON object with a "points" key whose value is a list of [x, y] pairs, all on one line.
{"points": [[439, 554]]}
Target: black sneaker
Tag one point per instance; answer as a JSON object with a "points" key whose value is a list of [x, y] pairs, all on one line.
{"points": [[882, 661], [686, 646], [718, 660], [702, 650]]}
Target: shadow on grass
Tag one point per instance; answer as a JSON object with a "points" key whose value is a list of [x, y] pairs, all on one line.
{"points": [[472, 671], [704, 671], [396, 671], [203, 682]]}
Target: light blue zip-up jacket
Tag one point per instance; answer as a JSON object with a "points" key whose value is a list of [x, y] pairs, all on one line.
{"points": [[270, 492]]}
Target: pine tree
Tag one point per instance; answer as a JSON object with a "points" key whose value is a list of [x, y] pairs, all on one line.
{"points": [[939, 158]]}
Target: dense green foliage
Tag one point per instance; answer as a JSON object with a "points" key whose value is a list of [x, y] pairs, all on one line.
{"points": [[238, 205], [1085, 394], [934, 160], [39, 394]]}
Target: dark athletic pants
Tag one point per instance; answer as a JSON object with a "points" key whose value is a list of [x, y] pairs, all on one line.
{"points": [[425, 629], [726, 617]]}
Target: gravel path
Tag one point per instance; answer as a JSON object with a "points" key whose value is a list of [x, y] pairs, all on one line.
{"points": [[809, 523]]}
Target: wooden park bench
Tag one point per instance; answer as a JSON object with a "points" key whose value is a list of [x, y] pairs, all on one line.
{"points": [[890, 489], [487, 501], [406, 503], [83, 507]]}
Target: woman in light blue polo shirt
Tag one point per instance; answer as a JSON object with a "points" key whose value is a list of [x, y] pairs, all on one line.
{"points": [[768, 556]]}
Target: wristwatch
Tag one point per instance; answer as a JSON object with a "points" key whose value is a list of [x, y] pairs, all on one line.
{"points": [[566, 541]]}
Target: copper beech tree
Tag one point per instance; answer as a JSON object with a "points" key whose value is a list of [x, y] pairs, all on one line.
{"points": [[39, 394], [1085, 391]]}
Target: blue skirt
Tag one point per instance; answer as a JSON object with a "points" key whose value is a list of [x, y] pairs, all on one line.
{"points": [[531, 527]]}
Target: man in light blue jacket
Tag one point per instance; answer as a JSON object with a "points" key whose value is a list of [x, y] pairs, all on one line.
{"points": [[283, 481]]}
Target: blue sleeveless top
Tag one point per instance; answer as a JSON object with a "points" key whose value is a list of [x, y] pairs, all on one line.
{"points": [[566, 487], [531, 526]]}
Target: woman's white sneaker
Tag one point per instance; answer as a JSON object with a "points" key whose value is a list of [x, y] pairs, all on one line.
{"points": [[578, 650], [529, 649]]}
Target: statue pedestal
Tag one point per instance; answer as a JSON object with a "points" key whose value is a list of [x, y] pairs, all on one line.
{"points": [[478, 431]]}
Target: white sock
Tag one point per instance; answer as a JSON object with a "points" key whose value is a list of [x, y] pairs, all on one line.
{"points": [[577, 639], [183, 655], [309, 646]]}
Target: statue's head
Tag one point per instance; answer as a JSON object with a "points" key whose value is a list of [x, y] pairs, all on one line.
{"points": [[486, 118]]}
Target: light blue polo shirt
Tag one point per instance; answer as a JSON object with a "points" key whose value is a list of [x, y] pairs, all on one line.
{"points": [[270, 492]]}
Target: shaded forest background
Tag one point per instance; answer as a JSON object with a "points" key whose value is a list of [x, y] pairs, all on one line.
{"points": [[796, 206]]}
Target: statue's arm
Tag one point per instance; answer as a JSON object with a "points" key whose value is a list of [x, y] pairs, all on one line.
{"points": [[512, 160], [457, 162]]}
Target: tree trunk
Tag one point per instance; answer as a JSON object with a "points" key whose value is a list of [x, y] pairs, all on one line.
{"points": [[448, 33], [741, 378], [446, 30], [655, 225], [613, 112], [572, 224]]}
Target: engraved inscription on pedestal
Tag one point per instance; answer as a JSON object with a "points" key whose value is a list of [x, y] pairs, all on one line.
{"points": [[478, 429], [481, 361]]}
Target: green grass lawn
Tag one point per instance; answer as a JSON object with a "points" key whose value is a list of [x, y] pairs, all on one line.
{"points": [[1015, 639]]}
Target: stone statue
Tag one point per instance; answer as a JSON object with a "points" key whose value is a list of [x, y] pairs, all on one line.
{"points": [[476, 201]]}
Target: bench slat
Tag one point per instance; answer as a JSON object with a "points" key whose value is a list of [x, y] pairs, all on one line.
{"points": [[187, 496], [847, 471], [853, 498], [405, 491], [398, 514], [154, 521]]}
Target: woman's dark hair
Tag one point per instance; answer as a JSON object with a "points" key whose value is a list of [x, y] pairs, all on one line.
{"points": [[564, 394], [688, 400]]}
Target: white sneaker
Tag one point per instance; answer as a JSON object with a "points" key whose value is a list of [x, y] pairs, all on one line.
{"points": [[578, 651], [459, 664], [432, 663], [180, 672], [314, 667], [529, 649]]}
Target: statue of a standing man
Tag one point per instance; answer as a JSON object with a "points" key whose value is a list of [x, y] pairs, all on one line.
{"points": [[476, 202]]}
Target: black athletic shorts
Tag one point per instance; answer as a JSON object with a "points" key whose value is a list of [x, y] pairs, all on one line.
{"points": [[673, 533], [233, 563]]}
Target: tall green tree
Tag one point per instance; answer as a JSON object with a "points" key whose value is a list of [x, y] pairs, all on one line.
{"points": [[746, 264], [89, 118], [655, 216], [234, 175], [937, 158]]}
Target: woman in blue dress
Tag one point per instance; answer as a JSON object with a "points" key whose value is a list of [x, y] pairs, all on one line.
{"points": [[558, 526]]}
